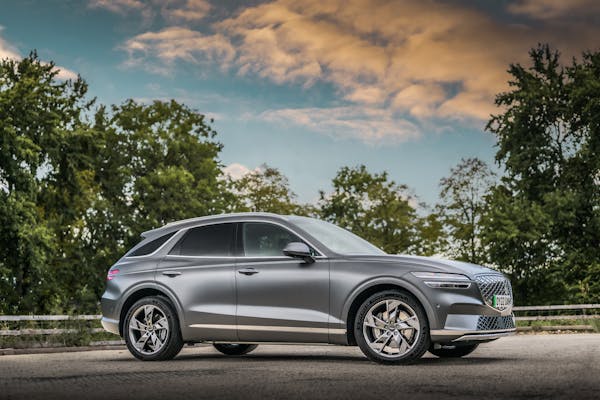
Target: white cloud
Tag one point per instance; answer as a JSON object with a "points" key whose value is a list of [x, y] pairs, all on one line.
{"points": [[372, 125], [190, 10], [9, 51], [65, 74], [177, 43], [171, 11], [118, 6], [237, 171]]}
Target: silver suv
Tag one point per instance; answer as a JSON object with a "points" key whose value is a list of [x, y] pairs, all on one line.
{"points": [[238, 280]]}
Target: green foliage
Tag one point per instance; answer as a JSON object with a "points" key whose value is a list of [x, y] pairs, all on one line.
{"points": [[462, 203], [543, 225], [379, 210], [265, 189], [158, 164], [42, 164], [79, 182], [75, 193]]}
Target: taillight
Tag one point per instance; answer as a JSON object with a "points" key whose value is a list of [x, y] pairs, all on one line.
{"points": [[112, 273]]}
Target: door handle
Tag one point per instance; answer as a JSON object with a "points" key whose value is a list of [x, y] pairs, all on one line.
{"points": [[171, 274], [248, 271]]}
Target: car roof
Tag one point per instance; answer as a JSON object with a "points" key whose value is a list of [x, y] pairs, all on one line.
{"points": [[232, 217]]}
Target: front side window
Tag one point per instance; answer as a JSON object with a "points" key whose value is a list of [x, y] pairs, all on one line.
{"points": [[335, 238], [209, 241], [266, 240]]}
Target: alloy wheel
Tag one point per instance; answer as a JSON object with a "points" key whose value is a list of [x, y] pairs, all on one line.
{"points": [[391, 328], [148, 329]]}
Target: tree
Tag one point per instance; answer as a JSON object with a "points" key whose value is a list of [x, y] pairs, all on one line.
{"points": [[265, 189], [44, 155], [549, 141], [158, 163], [461, 206], [377, 209], [76, 193]]}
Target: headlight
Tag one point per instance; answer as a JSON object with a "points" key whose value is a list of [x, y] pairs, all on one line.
{"points": [[444, 280]]}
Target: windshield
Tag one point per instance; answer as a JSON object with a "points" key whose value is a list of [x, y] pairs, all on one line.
{"points": [[335, 238]]}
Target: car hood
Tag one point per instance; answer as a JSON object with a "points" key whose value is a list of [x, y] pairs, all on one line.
{"points": [[432, 264]]}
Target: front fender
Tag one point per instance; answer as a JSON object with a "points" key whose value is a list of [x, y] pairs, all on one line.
{"points": [[395, 281]]}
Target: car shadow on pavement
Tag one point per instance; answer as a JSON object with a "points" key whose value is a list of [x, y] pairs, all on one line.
{"points": [[328, 358]]}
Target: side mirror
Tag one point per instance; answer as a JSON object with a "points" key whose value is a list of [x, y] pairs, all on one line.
{"points": [[298, 250]]}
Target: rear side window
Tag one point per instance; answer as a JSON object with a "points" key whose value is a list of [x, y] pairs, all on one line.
{"points": [[210, 240], [151, 246]]}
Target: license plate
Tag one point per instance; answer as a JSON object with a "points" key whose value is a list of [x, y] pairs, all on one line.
{"points": [[501, 301]]}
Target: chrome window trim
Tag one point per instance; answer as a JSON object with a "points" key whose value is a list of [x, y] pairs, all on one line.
{"points": [[209, 223]]}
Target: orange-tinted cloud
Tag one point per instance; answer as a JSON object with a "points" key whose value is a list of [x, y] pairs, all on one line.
{"points": [[419, 58], [547, 9]]}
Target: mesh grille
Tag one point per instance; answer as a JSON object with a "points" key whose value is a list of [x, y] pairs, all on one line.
{"points": [[488, 323], [491, 285]]}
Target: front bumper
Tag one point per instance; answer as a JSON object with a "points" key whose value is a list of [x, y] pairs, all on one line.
{"points": [[461, 328]]}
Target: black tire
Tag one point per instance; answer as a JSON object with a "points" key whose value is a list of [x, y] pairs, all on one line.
{"points": [[233, 349], [421, 340], [172, 340], [453, 351]]}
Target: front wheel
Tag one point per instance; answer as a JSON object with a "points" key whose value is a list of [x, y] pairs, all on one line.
{"points": [[232, 349], [453, 351], [152, 330], [391, 328]]}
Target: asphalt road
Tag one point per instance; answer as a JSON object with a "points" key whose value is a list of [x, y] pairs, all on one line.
{"points": [[518, 367]]}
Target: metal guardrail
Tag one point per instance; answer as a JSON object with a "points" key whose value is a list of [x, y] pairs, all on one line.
{"points": [[48, 317], [583, 316], [558, 307], [51, 331], [567, 307]]}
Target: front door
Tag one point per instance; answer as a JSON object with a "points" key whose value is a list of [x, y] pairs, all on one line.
{"points": [[279, 298]]}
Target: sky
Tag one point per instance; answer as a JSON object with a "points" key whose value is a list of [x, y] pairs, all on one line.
{"points": [[310, 86]]}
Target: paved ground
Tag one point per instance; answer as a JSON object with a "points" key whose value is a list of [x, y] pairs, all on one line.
{"points": [[519, 367]]}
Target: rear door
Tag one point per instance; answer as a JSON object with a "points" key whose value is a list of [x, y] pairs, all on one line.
{"points": [[279, 298], [199, 269]]}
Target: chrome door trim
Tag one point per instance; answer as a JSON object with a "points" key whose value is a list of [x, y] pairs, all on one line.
{"points": [[294, 329]]}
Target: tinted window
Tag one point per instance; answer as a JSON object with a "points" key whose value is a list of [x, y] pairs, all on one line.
{"points": [[210, 240], [335, 238], [262, 239], [151, 246]]}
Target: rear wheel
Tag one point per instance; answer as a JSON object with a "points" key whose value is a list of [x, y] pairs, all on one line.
{"points": [[152, 330], [232, 349], [453, 351], [391, 328]]}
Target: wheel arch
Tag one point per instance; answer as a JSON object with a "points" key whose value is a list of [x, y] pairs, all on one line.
{"points": [[145, 290], [367, 289]]}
